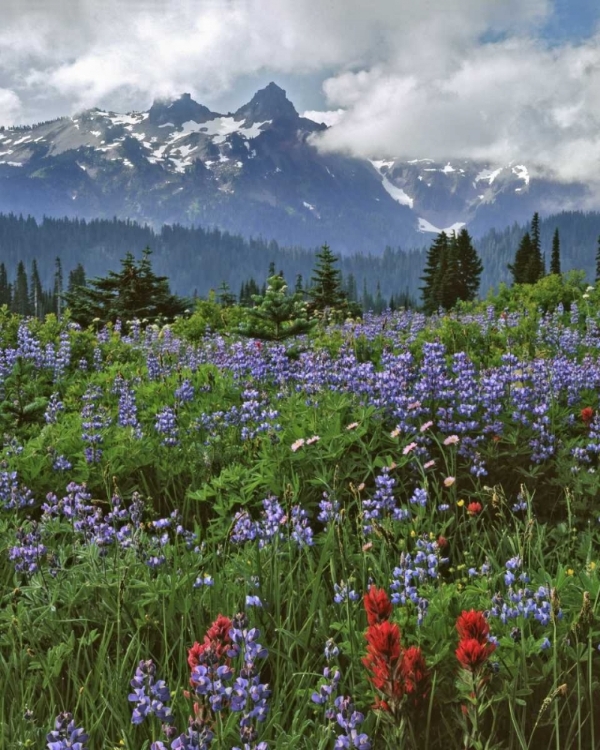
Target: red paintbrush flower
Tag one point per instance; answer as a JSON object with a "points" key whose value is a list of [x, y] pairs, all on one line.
{"points": [[587, 414], [384, 658], [377, 605], [415, 673], [216, 641], [219, 630], [473, 654], [474, 509], [473, 625]]}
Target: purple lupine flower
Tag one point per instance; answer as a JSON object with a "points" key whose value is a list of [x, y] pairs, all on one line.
{"points": [[301, 532], [29, 550], [198, 737], [185, 392], [62, 463], [349, 719], [54, 406], [342, 593], [65, 735], [149, 695], [166, 425], [329, 510]]}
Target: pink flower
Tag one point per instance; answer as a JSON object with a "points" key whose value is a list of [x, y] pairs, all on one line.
{"points": [[449, 481], [296, 445], [426, 426], [313, 439], [352, 426], [429, 464], [408, 448], [451, 440]]}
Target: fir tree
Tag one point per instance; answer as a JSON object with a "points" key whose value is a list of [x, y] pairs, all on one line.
{"points": [[520, 266], [134, 292], [76, 278], [469, 267], [20, 302], [536, 265], [555, 257], [5, 288], [431, 276], [598, 263], [277, 315], [35, 291], [535, 234], [299, 288], [225, 296], [326, 291], [58, 287]]}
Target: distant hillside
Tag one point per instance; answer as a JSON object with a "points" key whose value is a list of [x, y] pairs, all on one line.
{"points": [[197, 260], [257, 172]]}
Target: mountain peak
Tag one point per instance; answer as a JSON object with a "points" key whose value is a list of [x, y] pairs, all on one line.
{"points": [[270, 103], [179, 111]]}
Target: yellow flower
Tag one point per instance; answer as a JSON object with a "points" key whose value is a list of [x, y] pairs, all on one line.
{"points": [[591, 566], [460, 503], [570, 571], [413, 533]]}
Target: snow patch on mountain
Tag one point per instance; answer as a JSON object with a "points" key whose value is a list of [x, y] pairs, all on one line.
{"points": [[219, 128], [520, 170], [397, 193], [426, 226], [488, 174]]}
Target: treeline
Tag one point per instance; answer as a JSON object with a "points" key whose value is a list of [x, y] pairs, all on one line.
{"points": [[27, 296], [197, 260]]}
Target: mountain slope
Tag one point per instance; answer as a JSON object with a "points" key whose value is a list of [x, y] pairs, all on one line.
{"points": [[257, 171], [253, 171]]}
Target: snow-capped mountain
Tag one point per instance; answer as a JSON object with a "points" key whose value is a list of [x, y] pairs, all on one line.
{"points": [[256, 171]]}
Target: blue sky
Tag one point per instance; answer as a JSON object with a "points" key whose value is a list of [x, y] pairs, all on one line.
{"points": [[572, 21]]}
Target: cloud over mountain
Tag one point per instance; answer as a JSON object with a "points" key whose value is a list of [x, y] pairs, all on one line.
{"points": [[437, 78]]}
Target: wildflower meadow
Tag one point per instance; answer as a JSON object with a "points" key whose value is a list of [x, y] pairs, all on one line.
{"points": [[378, 534]]}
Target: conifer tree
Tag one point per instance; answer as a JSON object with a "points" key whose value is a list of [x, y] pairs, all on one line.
{"points": [[536, 265], [469, 267], [299, 288], [225, 296], [441, 290], [76, 278], [326, 291], [431, 273], [555, 257], [35, 291], [134, 292], [58, 287], [5, 288], [535, 234], [20, 302], [520, 266], [597, 280], [277, 315]]}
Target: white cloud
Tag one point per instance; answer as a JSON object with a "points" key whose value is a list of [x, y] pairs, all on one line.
{"points": [[330, 117], [402, 77], [508, 101], [10, 106]]}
